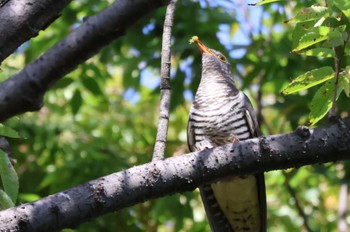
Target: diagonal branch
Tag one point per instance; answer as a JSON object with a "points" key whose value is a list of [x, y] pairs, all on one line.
{"points": [[165, 88], [23, 19], [177, 174], [24, 91]]}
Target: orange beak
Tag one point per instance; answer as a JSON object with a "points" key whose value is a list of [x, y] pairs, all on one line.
{"points": [[202, 47]]}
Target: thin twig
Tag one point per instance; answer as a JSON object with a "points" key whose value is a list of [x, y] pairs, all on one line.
{"points": [[165, 89], [297, 203], [337, 61], [339, 54]]}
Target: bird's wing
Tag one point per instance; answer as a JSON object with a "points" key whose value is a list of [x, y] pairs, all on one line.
{"points": [[190, 134], [251, 118]]}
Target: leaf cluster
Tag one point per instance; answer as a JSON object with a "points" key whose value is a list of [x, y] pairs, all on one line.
{"points": [[322, 32]]}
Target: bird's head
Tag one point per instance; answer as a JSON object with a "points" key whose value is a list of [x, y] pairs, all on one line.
{"points": [[216, 81], [213, 61]]}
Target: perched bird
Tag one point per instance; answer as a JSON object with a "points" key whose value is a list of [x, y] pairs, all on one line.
{"points": [[222, 114]]}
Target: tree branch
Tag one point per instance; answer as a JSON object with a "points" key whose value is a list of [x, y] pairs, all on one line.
{"points": [[25, 90], [177, 174], [23, 19], [165, 88]]}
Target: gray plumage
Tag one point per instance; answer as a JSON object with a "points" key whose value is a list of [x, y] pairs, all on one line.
{"points": [[222, 114]]}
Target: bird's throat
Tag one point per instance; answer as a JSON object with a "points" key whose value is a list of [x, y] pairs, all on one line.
{"points": [[213, 92]]}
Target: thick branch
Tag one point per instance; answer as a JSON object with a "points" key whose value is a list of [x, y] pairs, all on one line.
{"points": [[24, 91], [177, 174], [165, 88], [23, 19]]}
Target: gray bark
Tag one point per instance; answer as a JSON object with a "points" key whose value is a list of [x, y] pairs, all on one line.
{"points": [[165, 87], [178, 174]]}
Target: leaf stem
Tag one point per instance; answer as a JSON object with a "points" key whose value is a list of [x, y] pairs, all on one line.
{"points": [[337, 61], [339, 54]]}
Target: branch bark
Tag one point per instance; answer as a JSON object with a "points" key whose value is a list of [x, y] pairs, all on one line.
{"points": [[165, 88], [24, 91], [23, 19], [177, 174]]}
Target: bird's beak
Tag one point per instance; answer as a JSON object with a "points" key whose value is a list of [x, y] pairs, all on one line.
{"points": [[202, 47]]}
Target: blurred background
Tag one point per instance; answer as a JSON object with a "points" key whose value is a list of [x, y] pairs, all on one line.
{"points": [[102, 117]]}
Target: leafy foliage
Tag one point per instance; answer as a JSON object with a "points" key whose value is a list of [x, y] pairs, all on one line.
{"points": [[101, 118], [321, 31], [9, 180], [309, 79], [8, 132]]}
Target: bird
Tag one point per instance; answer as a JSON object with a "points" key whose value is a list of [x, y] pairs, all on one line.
{"points": [[221, 114]]}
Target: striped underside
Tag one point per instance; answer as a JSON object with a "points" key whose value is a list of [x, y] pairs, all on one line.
{"points": [[232, 204], [219, 124]]}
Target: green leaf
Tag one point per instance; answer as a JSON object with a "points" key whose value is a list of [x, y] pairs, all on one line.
{"points": [[5, 200], [319, 52], [263, 2], [344, 6], [8, 132], [313, 36], [337, 36], [309, 79], [310, 13], [322, 101], [63, 83], [344, 81], [318, 34], [76, 101], [92, 85], [28, 197], [347, 72], [9, 176], [300, 30]]}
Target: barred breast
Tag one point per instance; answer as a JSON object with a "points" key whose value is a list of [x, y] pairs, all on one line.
{"points": [[233, 202], [220, 123]]}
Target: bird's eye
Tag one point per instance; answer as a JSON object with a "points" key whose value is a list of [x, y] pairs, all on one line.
{"points": [[222, 58]]}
